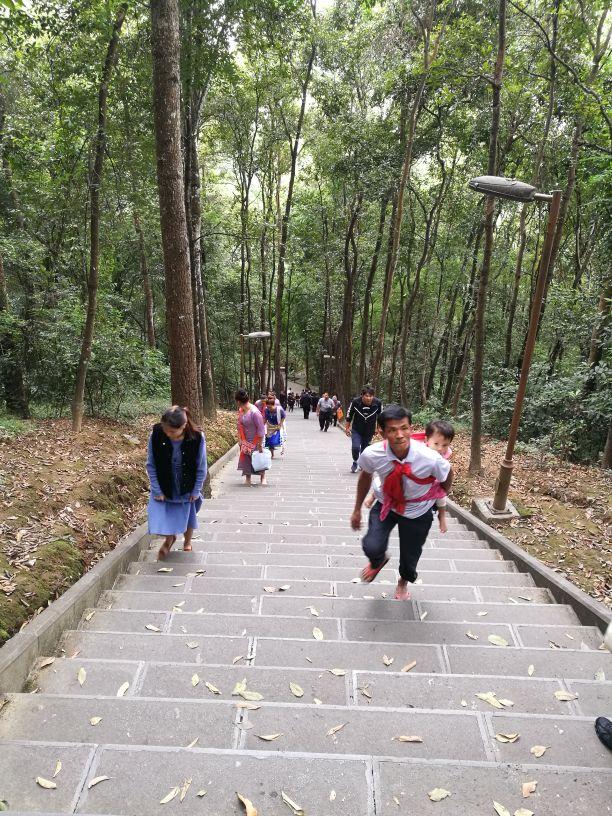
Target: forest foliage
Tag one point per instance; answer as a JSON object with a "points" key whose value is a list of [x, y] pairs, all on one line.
{"points": [[327, 154]]}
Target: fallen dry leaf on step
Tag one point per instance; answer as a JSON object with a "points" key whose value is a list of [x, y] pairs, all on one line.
{"points": [[95, 720], [471, 636], [490, 698], [408, 738], [152, 628], [58, 768], [337, 672], [49, 661], [531, 670], [170, 796], [424, 615], [529, 788], [507, 737], [317, 633], [191, 644], [335, 729], [565, 696], [296, 690], [185, 787], [250, 809], [82, 676], [237, 659], [97, 780], [409, 666], [284, 587], [523, 812], [387, 660], [506, 703], [195, 680], [438, 794], [193, 743], [316, 701], [500, 809], [122, 690], [538, 750], [201, 793], [297, 810], [165, 569], [482, 614], [600, 676], [269, 737], [247, 706], [90, 615], [313, 610], [251, 696], [497, 640], [45, 783], [212, 688], [269, 589]]}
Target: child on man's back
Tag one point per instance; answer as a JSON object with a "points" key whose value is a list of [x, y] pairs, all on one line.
{"points": [[438, 436]]}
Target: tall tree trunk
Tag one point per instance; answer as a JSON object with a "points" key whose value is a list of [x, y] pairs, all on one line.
{"points": [[14, 391], [175, 242], [95, 183], [368, 290], [344, 344], [607, 454], [479, 326], [146, 282], [384, 308], [294, 141]]}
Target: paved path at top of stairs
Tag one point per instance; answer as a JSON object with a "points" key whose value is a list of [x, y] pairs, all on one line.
{"points": [[258, 664]]}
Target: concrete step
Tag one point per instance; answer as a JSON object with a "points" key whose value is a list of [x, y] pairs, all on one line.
{"points": [[465, 578], [567, 663], [216, 586], [492, 594], [102, 677]]}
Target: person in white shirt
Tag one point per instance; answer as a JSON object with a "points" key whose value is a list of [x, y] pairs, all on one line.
{"points": [[407, 469]]}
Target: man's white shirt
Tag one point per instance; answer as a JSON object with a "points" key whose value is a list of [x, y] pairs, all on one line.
{"points": [[379, 459]]}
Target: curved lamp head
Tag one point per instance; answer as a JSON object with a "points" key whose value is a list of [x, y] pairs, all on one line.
{"points": [[501, 187], [257, 335]]}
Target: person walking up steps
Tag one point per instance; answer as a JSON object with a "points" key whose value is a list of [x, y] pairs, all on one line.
{"points": [[176, 465], [305, 403], [251, 433], [325, 407], [407, 470], [361, 420]]}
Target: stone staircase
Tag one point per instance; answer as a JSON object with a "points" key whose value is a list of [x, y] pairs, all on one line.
{"points": [[259, 665]]}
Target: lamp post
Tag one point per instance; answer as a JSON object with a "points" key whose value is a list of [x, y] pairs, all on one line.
{"points": [[256, 335], [520, 191], [331, 358]]}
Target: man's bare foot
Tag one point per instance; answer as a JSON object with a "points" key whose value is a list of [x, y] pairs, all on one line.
{"points": [[401, 591], [165, 548]]}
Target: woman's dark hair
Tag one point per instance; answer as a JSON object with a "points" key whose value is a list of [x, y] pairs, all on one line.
{"points": [[393, 413], [367, 389], [241, 396], [176, 417], [441, 426]]}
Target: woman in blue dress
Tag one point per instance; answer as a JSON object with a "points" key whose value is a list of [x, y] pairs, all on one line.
{"points": [[176, 464], [274, 417]]}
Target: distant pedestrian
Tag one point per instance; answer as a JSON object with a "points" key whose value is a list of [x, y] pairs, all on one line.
{"points": [[305, 403], [176, 466], [251, 433], [274, 418], [325, 407], [337, 412], [314, 401], [361, 420], [406, 470], [291, 401]]}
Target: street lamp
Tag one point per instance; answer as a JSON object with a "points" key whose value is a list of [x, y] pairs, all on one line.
{"points": [[514, 190], [256, 335], [331, 358]]}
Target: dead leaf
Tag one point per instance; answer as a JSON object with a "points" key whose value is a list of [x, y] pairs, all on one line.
{"points": [[90, 615], [58, 768], [211, 688], [471, 636], [82, 676], [317, 633], [337, 672], [165, 569], [237, 659], [424, 615], [497, 640], [387, 660], [500, 809], [490, 698], [531, 670], [122, 690], [538, 750], [600, 676], [95, 720], [201, 793], [506, 703], [296, 690], [184, 788], [335, 729], [482, 614], [247, 706], [152, 628], [408, 738], [507, 737], [170, 796], [96, 781], [248, 805], [195, 680], [45, 783], [523, 812], [438, 794], [191, 644], [284, 587], [565, 696], [313, 610], [529, 788], [297, 810], [193, 743], [252, 696], [269, 737], [269, 589], [49, 661], [316, 701], [409, 666]]}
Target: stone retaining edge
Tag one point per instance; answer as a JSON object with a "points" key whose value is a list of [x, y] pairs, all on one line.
{"points": [[41, 635], [589, 611]]}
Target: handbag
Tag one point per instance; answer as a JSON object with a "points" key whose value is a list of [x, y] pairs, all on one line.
{"points": [[261, 460]]}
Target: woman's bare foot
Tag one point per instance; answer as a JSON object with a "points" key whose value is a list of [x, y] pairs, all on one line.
{"points": [[264, 481], [401, 591], [166, 547], [248, 481], [187, 539]]}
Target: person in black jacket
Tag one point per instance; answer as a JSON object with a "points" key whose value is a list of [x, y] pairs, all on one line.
{"points": [[305, 403], [361, 419]]}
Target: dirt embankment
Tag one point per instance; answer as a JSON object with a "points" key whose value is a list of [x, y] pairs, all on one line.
{"points": [[566, 511], [66, 500]]}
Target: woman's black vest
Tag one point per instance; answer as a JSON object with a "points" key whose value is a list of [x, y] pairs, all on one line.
{"points": [[162, 457]]}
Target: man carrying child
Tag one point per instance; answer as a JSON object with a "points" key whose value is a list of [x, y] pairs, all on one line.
{"points": [[410, 474]]}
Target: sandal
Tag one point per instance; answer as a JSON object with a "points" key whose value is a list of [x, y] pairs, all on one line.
{"points": [[369, 573]]}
